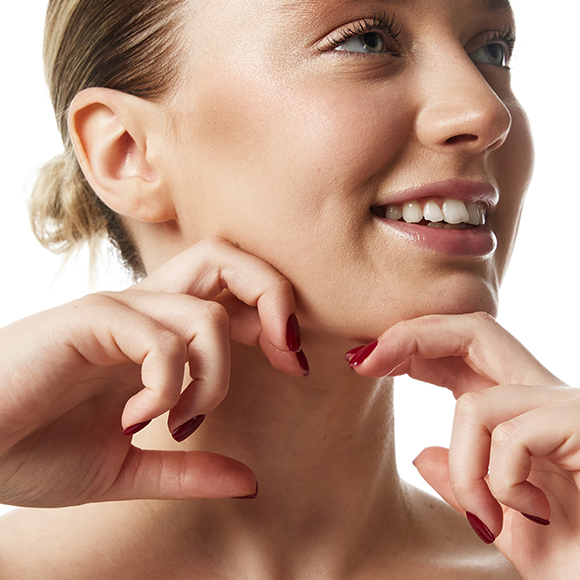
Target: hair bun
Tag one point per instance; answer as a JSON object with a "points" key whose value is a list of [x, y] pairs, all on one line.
{"points": [[62, 207]]}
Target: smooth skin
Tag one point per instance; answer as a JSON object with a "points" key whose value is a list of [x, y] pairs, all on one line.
{"points": [[249, 193]]}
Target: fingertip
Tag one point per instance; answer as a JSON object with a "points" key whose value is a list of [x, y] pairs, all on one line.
{"points": [[362, 354], [134, 429], [293, 340], [482, 531], [188, 428], [253, 495], [303, 362], [536, 519]]}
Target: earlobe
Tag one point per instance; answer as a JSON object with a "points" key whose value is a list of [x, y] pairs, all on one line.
{"points": [[114, 135]]}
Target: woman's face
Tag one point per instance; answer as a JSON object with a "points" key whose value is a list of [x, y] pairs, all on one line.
{"points": [[304, 128]]}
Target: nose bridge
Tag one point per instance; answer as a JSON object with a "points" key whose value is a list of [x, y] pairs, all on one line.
{"points": [[457, 104]]}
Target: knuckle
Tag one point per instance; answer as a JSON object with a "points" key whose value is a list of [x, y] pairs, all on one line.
{"points": [[214, 243], [506, 435], [469, 405], [169, 344], [499, 487], [280, 285], [96, 300], [482, 318], [216, 314], [461, 487]]}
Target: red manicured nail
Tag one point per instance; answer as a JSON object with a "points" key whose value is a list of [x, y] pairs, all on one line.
{"points": [[536, 519], [362, 354], [182, 433], [293, 334], [252, 496], [480, 529], [348, 356], [135, 428], [303, 362]]}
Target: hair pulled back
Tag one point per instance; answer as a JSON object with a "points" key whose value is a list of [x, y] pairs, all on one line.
{"points": [[127, 45]]}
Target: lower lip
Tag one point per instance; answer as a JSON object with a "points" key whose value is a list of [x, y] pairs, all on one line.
{"points": [[478, 242]]}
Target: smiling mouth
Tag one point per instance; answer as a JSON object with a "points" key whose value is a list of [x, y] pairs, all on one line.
{"points": [[450, 214]]}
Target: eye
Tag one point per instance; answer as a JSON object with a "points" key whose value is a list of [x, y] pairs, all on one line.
{"points": [[376, 35], [494, 53], [369, 42]]}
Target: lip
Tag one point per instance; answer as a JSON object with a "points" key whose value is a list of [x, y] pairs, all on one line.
{"points": [[478, 242]]}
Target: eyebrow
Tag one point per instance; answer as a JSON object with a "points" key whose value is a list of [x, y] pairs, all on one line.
{"points": [[495, 5], [485, 5]]}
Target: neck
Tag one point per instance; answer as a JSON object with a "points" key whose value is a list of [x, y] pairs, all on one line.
{"points": [[323, 453]]}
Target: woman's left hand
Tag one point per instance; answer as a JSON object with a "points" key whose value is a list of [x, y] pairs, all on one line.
{"points": [[515, 446]]}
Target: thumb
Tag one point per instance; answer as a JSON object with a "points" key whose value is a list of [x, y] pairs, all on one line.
{"points": [[433, 465], [178, 475]]}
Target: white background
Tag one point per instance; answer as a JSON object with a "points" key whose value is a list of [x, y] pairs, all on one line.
{"points": [[539, 297]]}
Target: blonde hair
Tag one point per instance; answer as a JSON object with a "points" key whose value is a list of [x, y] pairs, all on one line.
{"points": [[127, 45]]}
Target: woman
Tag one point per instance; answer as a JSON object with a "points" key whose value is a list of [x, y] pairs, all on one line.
{"points": [[260, 186]]}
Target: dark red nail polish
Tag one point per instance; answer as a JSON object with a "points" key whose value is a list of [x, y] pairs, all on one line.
{"points": [[536, 519], [293, 334], [252, 496], [135, 428], [182, 433], [480, 529], [362, 354], [303, 362], [350, 354]]}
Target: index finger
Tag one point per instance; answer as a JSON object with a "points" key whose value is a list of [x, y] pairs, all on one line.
{"points": [[468, 351], [213, 265]]}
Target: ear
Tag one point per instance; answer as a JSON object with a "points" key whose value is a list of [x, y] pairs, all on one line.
{"points": [[116, 137]]}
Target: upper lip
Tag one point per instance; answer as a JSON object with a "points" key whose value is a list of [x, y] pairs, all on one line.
{"points": [[460, 189]]}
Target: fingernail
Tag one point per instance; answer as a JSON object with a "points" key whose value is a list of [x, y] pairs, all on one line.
{"points": [[293, 334], [252, 496], [536, 519], [348, 356], [135, 428], [303, 362], [182, 433], [362, 354], [480, 529]]}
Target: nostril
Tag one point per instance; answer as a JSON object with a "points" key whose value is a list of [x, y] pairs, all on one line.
{"points": [[461, 139]]}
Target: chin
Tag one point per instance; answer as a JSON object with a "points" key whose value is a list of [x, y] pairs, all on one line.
{"points": [[365, 320]]}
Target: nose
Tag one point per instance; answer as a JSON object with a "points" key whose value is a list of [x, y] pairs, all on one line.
{"points": [[458, 108]]}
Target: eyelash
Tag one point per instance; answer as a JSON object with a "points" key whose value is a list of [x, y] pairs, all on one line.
{"points": [[379, 23], [388, 26]]}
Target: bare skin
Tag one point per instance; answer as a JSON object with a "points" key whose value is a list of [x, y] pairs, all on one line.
{"points": [[255, 195]]}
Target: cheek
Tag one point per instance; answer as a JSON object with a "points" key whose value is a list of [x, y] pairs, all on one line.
{"points": [[514, 162], [273, 162]]}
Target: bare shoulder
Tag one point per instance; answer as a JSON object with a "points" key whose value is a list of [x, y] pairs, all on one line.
{"points": [[77, 543], [445, 547], [32, 540]]}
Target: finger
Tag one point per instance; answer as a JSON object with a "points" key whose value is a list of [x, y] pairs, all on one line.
{"points": [[180, 475], [245, 327], [547, 434], [203, 327], [126, 335], [489, 351], [208, 365], [214, 265], [433, 465], [483, 437]]}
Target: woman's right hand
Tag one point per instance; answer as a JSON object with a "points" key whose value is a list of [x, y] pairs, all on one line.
{"points": [[74, 377]]}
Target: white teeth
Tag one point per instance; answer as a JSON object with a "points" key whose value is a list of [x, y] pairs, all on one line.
{"points": [[412, 212], [473, 211], [432, 212], [454, 211], [394, 212]]}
